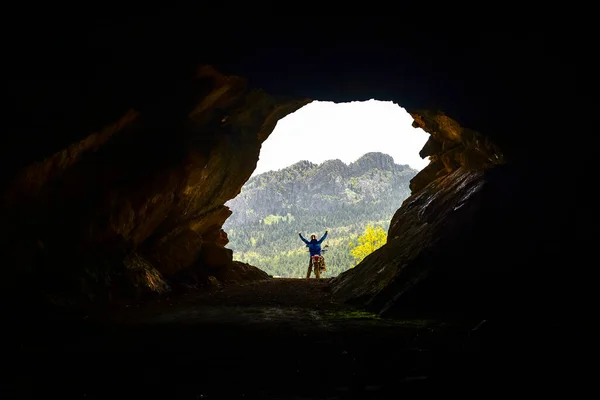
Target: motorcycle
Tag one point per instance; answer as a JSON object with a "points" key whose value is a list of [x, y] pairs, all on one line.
{"points": [[318, 262]]}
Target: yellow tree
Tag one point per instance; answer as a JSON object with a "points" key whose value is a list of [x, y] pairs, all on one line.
{"points": [[373, 238]]}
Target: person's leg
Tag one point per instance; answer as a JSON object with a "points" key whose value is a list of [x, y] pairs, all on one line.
{"points": [[318, 269], [309, 268]]}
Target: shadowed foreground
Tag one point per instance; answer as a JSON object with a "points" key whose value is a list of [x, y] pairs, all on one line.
{"points": [[280, 338]]}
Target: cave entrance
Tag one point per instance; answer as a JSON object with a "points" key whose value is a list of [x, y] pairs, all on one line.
{"points": [[341, 167]]}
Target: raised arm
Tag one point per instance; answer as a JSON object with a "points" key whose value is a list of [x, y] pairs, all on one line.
{"points": [[302, 237], [323, 237]]}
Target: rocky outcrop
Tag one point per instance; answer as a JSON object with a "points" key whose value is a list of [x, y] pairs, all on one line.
{"points": [[430, 227], [417, 228], [449, 147], [216, 276], [305, 188], [142, 199]]}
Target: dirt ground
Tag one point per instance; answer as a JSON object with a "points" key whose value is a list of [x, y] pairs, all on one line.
{"points": [[279, 338]]}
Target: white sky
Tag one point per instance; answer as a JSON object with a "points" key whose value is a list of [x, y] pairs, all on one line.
{"points": [[323, 131]]}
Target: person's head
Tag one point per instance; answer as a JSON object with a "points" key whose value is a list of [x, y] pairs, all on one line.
{"points": [[313, 237]]}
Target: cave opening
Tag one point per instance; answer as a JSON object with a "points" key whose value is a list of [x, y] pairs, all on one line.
{"points": [[108, 202], [344, 168]]}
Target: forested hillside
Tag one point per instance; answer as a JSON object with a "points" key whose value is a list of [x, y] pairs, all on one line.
{"points": [[274, 206]]}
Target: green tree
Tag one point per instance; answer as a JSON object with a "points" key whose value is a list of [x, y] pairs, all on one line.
{"points": [[373, 238]]}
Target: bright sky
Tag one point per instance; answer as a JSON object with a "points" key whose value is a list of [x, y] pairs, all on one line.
{"points": [[323, 131]]}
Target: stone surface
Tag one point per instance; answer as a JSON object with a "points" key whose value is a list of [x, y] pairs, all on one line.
{"points": [[220, 344], [146, 187], [416, 231], [446, 200], [451, 146]]}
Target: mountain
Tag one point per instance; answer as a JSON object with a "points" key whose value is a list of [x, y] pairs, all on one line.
{"points": [[343, 198]]}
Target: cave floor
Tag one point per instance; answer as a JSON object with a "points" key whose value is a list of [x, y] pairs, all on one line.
{"points": [[280, 338]]}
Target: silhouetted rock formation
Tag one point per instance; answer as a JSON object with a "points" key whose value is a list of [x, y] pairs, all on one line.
{"points": [[122, 210], [436, 224]]}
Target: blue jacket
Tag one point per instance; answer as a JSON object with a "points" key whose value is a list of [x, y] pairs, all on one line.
{"points": [[314, 246]]}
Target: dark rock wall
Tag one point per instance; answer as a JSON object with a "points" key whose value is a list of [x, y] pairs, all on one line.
{"points": [[141, 199]]}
